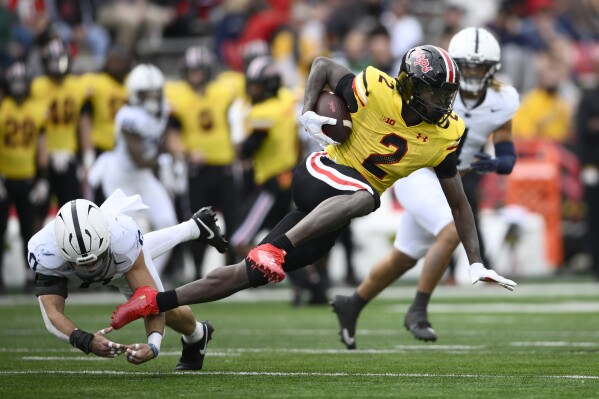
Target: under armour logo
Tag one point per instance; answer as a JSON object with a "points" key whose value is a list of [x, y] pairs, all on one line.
{"points": [[421, 137]]}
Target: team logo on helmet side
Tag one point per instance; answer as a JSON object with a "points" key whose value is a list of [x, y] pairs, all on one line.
{"points": [[428, 82]]}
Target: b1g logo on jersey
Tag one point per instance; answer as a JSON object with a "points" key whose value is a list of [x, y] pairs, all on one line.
{"points": [[422, 61]]}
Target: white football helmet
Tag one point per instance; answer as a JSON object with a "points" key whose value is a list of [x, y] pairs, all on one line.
{"points": [[83, 237], [477, 53], [144, 87]]}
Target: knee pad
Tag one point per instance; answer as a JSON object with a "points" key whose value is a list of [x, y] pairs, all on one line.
{"points": [[255, 276]]}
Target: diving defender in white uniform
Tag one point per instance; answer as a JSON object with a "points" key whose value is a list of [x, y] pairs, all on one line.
{"points": [[87, 246], [427, 227]]}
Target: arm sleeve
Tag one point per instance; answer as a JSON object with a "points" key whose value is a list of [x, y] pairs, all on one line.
{"points": [[345, 91], [252, 143], [47, 285], [448, 167]]}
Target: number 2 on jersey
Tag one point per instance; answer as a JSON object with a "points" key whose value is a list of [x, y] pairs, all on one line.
{"points": [[391, 140]]}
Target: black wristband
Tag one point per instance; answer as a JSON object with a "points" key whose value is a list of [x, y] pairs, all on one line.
{"points": [[167, 300], [81, 340]]}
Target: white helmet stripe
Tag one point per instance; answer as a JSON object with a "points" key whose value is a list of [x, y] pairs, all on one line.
{"points": [[78, 234]]}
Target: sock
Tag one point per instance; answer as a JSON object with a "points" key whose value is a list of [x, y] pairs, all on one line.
{"points": [[420, 301], [163, 240], [358, 302], [196, 335], [167, 300], [282, 242]]}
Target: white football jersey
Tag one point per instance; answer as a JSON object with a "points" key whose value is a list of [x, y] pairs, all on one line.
{"points": [[498, 107], [126, 244], [149, 127]]}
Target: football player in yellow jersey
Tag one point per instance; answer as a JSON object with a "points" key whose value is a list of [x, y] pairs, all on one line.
{"points": [[244, 172], [106, 94], [64, 94], [273, 147], [399, 125], [199, 107], [23, 157]]}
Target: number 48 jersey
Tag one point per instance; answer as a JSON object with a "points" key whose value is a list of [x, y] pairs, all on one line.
{"points": [[381, 146]]}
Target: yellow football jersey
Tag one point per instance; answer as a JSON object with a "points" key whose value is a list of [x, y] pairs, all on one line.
{"points": [[20, 126], [64, 103], [107, 96], [233, 81], [278, 152], [381, 147], [204, 123]]}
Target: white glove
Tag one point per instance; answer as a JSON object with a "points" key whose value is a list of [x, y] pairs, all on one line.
{"points": [[39, 192], [589, 175], [313, 122], [479, 273], [60, 160]]}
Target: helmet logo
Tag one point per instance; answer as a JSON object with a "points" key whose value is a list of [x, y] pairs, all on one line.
{"points": [[422, 61]]}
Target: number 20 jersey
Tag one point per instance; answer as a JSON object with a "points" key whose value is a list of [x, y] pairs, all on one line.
{"points": [[381, 147]]}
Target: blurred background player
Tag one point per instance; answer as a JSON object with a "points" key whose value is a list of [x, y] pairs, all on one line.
{"points": [[64, 95], [199, 113], [23, 158], [272, 145], [140, 129], [87, 246], [427, 226], [106, 94]]}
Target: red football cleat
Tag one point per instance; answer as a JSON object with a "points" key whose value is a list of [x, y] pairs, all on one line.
{"points": [[142, 304], [269, 260]]}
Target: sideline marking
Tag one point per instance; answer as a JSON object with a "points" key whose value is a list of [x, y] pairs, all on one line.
{"points": [[296, 374]]}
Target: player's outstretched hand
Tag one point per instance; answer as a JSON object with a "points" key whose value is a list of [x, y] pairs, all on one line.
{"points": [[479, 273], [139, 353], [484, 163], [103, 347], [313, 122]]}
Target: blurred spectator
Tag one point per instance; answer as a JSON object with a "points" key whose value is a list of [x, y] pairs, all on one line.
{"points": [[21, 21], [355, 53], [543, 112], [73, 21], [379, 50], [587, 127], [312, 35], [132, 20], [453, 22], [405, 29], [347, 15]]}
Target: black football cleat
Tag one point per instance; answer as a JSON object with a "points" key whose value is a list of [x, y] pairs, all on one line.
{"points": [[192, 356], [347, 317], [417, 323], [210, 233]]}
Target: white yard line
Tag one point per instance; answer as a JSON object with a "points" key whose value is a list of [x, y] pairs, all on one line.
{"points": [[296, 374], [553, 290]]}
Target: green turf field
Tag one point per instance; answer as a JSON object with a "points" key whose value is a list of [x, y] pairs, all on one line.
{"points": [[537, 342]]}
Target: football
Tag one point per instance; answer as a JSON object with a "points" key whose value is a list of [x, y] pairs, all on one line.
{"points": [[331, 105]]}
